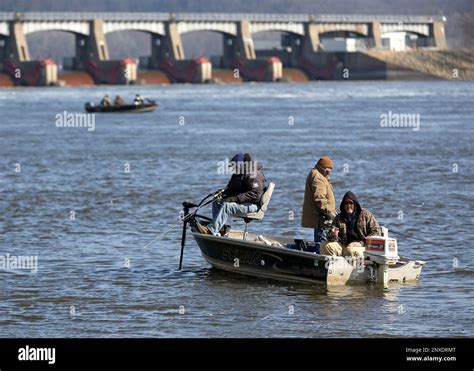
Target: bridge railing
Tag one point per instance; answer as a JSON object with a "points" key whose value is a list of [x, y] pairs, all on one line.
{"points": [[84, 16], [119, 16], [235, 17], [371, 18], [229, 17]]}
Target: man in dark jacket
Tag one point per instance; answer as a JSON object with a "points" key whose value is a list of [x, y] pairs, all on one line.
{"points": [[242, 194], [350, 228]]}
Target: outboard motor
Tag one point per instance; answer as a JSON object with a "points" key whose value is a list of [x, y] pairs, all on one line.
{"points": [[382, 250]]}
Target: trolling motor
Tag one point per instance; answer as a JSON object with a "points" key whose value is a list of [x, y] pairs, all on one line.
{"points": [[190, 217]]}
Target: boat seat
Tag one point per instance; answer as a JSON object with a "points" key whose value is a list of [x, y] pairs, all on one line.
{"points": [[259, 214]]}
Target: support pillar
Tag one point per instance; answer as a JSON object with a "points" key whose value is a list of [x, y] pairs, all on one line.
{"points": [[167, 47], [240, 46], [15, 60], [245, 46], [167, 54], [172, 42], [97, 45], [311, 42], [438, 35], [312, 59], [16, 46], [376, 34], [92, 55], [239, 54], [92, 47]]}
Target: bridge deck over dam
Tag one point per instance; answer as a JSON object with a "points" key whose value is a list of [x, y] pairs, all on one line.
{"points": [[305, 36], [219, 22]]}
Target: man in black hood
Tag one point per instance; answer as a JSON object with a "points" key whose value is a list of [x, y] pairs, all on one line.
{"points": [[350, 228]]}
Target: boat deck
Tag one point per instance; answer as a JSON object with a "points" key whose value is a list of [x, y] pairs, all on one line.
{"points": [[270, 257]]}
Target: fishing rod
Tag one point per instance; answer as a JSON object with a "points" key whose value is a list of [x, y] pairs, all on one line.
{"points": [[188, 205], [189, 216]]}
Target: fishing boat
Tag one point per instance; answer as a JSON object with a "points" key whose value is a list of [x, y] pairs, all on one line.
{"points": [[294, 260], [149, 106]]}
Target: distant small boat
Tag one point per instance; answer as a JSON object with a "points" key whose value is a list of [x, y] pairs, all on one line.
{"points": [[150, 106]]}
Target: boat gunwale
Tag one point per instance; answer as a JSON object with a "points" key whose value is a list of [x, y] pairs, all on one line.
{"points": [[264, 247], [402, 262]]}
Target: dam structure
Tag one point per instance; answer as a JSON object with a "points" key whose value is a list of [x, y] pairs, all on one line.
{"points": [[309, 43]]}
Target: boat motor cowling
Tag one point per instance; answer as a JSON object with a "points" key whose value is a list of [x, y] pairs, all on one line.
{"points": [[381, 250]]}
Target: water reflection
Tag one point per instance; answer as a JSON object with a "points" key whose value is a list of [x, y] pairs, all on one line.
{"points": [[355, 291]]}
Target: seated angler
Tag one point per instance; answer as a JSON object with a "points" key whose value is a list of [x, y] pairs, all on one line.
{"points": [[350, 228], [138, 100], [119, 101], [241, 196], [105, 102]]}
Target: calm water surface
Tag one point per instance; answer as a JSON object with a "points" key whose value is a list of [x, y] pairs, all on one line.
{"points": [[112, 272]]}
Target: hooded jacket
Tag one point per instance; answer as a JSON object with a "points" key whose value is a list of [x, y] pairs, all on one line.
{"points": [[247, 186], [319, 199], [356, 226]]}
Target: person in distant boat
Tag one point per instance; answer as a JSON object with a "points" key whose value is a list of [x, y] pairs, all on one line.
{"points": [[138, 100], [119, 101], [350, 228], [319, 205], [242, 194], [105, 102]]}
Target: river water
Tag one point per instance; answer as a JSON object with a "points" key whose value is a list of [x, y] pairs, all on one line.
{"points": [[99, 208]]}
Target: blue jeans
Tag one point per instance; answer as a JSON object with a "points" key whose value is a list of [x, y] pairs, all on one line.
{"points": [[222, 211], [320, 235]]}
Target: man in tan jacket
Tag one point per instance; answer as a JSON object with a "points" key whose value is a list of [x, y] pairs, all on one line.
{"points": [[319, 203]]}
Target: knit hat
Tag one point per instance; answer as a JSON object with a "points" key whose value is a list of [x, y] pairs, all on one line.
{"points": [[239, 157], [325, 162], [248, 157]]}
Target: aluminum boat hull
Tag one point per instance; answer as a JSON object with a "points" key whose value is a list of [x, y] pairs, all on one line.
{"points": [[256, 258]]}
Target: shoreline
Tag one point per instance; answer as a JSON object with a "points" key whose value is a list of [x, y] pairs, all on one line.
{"points": [[311, 82], [370, 65]]}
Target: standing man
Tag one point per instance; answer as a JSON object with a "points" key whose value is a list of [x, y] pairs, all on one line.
{"points": [[319, 202]]}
